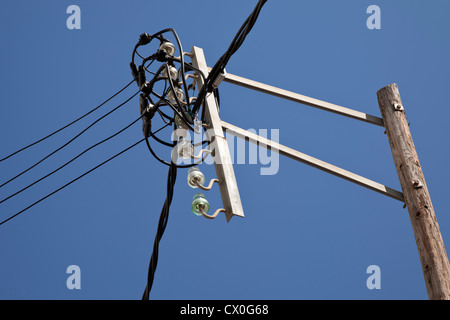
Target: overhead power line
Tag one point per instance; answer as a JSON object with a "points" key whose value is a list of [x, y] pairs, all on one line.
{"points": [[175, 95], [71, 160], [67, 125], [70, 182], [76, 179], [236, 43], [68, 142], [184, 109]]}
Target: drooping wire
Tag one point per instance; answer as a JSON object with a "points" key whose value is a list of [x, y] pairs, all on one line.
{"points": [[78, 178], [171, 163], [70, 141], [71, 160], [139, 76], [67, 125], [72, 181]]}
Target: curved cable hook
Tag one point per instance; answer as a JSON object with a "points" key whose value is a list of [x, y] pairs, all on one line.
{"points": [[214, 215], [199, 156], [197, 183]]}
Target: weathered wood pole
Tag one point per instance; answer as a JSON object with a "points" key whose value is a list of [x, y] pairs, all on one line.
{"points": [[432, 253]]}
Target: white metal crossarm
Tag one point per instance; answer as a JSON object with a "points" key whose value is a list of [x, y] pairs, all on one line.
{"points": [[281, 93], [311, 161], [222, 160]]}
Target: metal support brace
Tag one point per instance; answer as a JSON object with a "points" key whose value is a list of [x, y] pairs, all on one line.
{"points": [[316, 163], [281, 93]]}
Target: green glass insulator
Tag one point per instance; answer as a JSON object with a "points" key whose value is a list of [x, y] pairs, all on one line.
{"points": [[199, 202]]}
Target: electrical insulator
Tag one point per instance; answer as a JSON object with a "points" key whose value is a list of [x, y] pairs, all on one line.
{"points": [[194, 174], [200, 203], [171, 96], [180, 123], [168, 48], [172, 72], [185, 149]]}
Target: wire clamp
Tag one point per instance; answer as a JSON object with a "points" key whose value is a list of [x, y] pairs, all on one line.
{"points": [[219, 79]]}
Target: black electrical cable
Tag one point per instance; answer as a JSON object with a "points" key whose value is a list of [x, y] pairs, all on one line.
{"points": [[70, 182], [219, 67], [165, 143], [149, 86], [171, 163], [180, 48], [71, 160], [178, 110], [234, 46], [67, 143], [182, 117], [181, 111], [67, 125], [163, 115], [146, 67], [146, 39], [164, 216], [183, 77], [198, 71]]}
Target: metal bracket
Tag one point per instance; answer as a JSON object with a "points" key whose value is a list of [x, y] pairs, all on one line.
{"points": [[311, 161], [308, 101], [229, 190], [398, 107], [219, 79]]}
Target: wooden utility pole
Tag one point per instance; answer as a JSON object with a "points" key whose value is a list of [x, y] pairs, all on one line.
{"points": [[433, 256], [415, 195]]}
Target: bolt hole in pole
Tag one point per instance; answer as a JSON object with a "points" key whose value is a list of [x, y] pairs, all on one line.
{"points": [[398, 107]]}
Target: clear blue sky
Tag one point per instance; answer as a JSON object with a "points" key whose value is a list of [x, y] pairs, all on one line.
{"points": [[306, 234]]}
